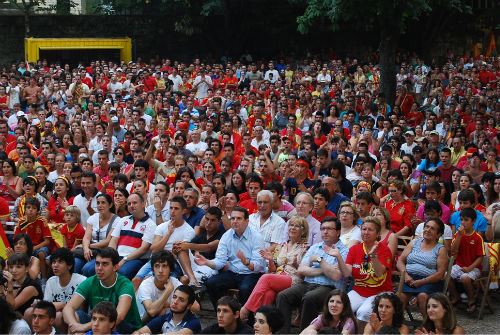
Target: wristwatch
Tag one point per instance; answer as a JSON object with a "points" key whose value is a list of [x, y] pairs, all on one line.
{"points": [[319, 259], [158, 214], [125, 259]]}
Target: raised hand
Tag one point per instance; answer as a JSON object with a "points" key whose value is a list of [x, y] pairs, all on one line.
{"points": [[375, 323], [241, 256], [374, 249], [266, 254], [332, 251]]}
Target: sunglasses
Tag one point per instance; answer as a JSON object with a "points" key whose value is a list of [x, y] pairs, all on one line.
{"points": [[365, 266]]}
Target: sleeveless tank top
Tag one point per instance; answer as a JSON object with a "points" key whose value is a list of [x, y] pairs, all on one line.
{"points": [[422, 263]]}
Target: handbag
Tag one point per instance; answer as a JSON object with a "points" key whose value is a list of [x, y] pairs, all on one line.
{"points": [[78, 252]]}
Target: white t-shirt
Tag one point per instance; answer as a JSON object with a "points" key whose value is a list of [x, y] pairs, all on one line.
{"points": [[20, 326], [81, 202], [14, 94], [145, 228], [197, 148], [182, 233], [98, 234], [448, 235], [352, 235], [177, 80], [53, 176], [55, 293], [202, 88], [148, 291]]}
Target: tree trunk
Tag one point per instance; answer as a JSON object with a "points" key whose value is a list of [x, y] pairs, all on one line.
{"points": [[387, 64], [27, 22]]}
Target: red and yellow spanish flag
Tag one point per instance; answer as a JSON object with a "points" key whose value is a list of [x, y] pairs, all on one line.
{"points": [[477, 52], [4, 243], [491, 45]]}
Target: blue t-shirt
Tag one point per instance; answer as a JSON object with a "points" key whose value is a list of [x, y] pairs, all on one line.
{"points": [[480, 225], [293, 187], [190, 321]]}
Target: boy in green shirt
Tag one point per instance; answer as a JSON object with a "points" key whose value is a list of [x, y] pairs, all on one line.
{"points": [[105, 285]]}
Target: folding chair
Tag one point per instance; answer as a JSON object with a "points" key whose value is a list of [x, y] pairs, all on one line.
{"points": [[403, 241], [482, 286]]}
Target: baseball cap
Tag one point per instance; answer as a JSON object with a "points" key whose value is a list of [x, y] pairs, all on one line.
{"points": [[434, 132], [472, 152], [20, 114], [410, 132], [115, 119], [107, 101], [183, 125], [433, 172], [61, 113], [417, 149]]}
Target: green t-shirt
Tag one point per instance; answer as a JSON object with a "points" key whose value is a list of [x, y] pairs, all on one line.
{"points": [[94, 292]]}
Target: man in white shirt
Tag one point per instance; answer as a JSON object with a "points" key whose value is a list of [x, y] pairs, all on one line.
{"points": [[202, 83], [132, 237], [272, 71], [196, 146], [266, 222], [176, 79], [166, 234]]}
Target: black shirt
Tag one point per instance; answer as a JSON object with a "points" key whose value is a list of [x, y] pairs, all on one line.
{"points": [[29, 282], [202, 239], [241, 328]]}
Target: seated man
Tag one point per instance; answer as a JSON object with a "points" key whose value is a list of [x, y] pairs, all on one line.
{"points": [[166, 234], [228, 319], [43, 318], [193, 213], [155, 293], [270, 225], [323, 269], [61, 286], [240, 247], [205, 244], [179, 320], [106, 285], [103, 319], [132, 237]]}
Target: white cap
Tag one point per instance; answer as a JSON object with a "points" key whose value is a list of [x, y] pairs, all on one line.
{"points": [[114, 119], [20, 113], [107, 101]]}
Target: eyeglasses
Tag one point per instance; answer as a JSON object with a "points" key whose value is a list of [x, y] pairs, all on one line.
{"points": [[346, 213], [393, 191], [118, 153], [302, 203], [295, 226], [327, 228]]}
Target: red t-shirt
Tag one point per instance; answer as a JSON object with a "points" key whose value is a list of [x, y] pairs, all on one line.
{"points": [[320, 218], [56, 211], [71, 236], [366, 284], [37, 230], [400, 214], [471, 247], [250, 206]]}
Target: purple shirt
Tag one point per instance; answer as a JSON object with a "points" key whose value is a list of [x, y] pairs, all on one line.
{"points": [[445, 217]]}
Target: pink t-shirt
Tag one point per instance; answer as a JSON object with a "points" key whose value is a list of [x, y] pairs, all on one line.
{"points": [[445, 217], [286, 211], [348, 325]]}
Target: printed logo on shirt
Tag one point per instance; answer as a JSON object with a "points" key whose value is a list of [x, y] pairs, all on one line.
{"points": [[125, 223], [143, 228]]}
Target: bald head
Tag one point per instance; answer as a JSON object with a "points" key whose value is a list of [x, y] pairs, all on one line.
{"points": [[330, 184]]}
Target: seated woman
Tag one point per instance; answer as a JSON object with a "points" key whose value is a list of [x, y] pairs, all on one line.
{"points": [[400, 207], [336, 313], [30, 187], [282, 267], [425, 261], [350, 234], [369, 264], [97, 235], [268, 320], [387, 237], [440, 317], [62, 198], [387, 311], [22, 244], [21, 289]]}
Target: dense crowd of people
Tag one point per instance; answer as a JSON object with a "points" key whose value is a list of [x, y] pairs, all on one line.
{"points": [[289, 191]]}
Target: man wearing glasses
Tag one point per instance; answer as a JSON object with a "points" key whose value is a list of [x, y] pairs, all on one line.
{"points": [[323, 269]]}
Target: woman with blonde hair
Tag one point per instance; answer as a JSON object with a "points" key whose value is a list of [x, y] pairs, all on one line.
{"points": [[350, 234], [282, 266]]}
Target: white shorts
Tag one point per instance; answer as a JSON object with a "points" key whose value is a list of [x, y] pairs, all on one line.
{"points": [[457, 273]]}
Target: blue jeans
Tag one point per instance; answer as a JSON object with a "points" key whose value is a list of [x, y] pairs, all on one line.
{"points": [[79, 263], [147, 271], [45, 250], [218, 284], [123, 328], [130, 268], [88, 269]]}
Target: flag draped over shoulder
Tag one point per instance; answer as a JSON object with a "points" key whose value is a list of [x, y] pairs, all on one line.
{"points": [[4, 243]]}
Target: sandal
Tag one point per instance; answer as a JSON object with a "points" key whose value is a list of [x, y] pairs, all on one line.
{"points": [[471, 307]]}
